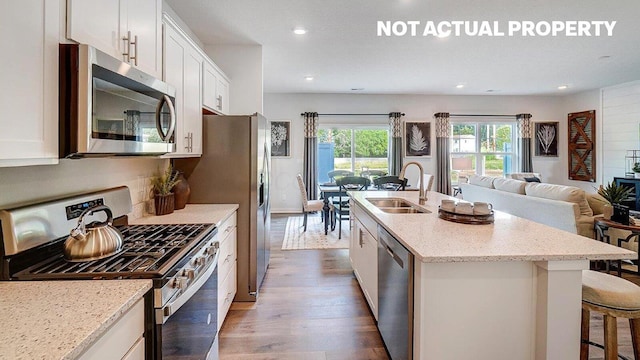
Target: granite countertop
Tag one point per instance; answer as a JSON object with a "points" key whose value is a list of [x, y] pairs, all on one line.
{"points": [[509, 238], [191, 214], [61, 319]]}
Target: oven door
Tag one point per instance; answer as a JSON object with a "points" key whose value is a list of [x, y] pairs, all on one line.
{"points": [[190, 320]]}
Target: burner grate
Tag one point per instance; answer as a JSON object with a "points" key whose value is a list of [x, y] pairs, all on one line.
{"points": [[148, 252]]}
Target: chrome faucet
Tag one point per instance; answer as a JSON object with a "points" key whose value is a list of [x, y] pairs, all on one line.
{"points": [[422, 195]]}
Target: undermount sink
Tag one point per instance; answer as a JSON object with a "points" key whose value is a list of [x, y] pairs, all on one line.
{"points": [[396, 206], [404, 210], [392, 203]]}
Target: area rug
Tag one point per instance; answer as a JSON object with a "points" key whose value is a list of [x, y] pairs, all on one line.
{"points": [[295, 238]]}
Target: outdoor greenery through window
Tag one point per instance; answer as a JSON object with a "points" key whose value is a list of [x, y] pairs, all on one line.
{"points": [[482, 148], [353, 149]]}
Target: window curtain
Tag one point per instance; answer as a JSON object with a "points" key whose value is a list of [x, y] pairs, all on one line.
{"points": [[310, 173], [395, 146], [443, 133], [524, 142]]}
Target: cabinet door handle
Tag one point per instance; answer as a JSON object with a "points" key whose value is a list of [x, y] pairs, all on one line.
{"points": [[188, 142], [360, 233], [219, 98], [134, 42], [127, 44]]}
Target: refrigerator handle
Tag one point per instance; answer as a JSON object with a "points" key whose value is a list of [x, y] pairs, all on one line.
{"points": [[261, 191], [266, 180]]}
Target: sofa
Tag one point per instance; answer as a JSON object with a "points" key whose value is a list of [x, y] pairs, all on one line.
{"points": [[564, 207]]}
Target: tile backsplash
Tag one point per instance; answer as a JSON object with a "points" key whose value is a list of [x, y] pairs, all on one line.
{"points": [[23, 185], [140, 189]]}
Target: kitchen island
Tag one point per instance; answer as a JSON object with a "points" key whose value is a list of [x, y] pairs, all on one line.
{"points": [[507, 290], [70, 319]]}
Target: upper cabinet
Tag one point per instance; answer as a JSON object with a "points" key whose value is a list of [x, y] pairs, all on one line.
{"points": [[29, 98], [183, 70], [199, 84], [130, 30], [215, 94]]}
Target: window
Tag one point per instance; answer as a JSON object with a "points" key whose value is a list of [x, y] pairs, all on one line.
{"points": [[485, 148], [356, 149]]}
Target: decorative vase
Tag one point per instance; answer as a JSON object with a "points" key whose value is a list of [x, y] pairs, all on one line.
{"points": [[165, 204], [607, 211], [182, 190]]}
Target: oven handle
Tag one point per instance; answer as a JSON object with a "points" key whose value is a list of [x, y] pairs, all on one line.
{"points": [[164, 313]]}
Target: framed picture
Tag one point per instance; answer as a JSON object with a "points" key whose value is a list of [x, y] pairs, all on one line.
{"points": [[546, 139], [417, 138], [281, 138], [582, 146]]}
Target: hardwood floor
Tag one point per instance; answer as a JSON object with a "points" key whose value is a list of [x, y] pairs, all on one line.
{"points": [[311, 307]]}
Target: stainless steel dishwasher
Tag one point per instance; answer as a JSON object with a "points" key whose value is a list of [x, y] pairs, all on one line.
{"points": [[395, 296]]}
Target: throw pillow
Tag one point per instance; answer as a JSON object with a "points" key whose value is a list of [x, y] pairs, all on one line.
{"points": [[596, 203], [532, 179], [509, 185], [484, 181]]}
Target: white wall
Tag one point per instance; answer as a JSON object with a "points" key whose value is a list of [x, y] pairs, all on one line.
{"points": [[588, 100], [620, 120], [243, 65], [23, 185], [285, 194]]}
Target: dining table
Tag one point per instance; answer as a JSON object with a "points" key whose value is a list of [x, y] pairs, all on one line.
{"points": [[329, 190]]}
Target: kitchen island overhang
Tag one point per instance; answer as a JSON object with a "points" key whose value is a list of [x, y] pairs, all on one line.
{"points": [[511, 289]]}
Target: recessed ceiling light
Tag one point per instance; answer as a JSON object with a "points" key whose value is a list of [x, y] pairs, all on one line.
{"points": [[492, 90], [308, 78], [357, 89], [299, 31], [460, 86], [563, 87], [604, 57]]}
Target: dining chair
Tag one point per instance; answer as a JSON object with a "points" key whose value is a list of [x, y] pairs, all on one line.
{"points": [[339, 173], [309, 206], [370, 173], [341, 208], [390, 182], [427, 180]]}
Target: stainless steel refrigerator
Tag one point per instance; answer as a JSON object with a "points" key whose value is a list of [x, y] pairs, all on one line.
{"points": [[234, 169]]}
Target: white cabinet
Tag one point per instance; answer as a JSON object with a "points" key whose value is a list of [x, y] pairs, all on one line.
{"points": [[183, 70], [215, 95], [130, 30], [227, 267], [29, 78], [123, 340], [363, 253]]}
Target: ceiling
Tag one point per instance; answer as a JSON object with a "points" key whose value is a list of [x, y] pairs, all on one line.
{"points": [[342, 51]]}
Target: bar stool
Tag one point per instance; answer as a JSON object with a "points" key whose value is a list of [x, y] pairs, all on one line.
{"points": [[613, 297]]}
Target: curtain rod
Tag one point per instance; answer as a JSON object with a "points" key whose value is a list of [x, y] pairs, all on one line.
{"points": [[480, 115], [387, 114]]}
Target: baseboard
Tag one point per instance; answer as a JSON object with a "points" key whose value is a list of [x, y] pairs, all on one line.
{"points": [[286, 211]]}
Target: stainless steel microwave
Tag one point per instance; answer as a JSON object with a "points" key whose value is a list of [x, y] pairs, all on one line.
{"points": [[109, 108]]}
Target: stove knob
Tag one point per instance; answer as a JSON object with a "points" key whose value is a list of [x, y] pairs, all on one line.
{"points": [[199, 261], [189, 273], [211, 250], [180, 282]]}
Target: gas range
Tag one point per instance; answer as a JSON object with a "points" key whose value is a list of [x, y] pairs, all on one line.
{"points": [[180, 259], [149, 252]]}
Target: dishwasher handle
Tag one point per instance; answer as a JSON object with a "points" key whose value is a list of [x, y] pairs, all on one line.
{"points": [[393, 255]]}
